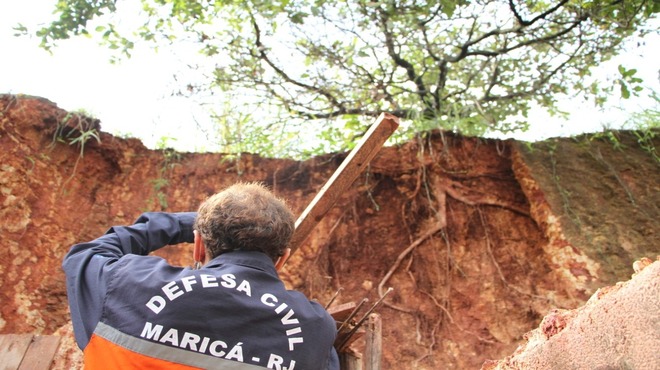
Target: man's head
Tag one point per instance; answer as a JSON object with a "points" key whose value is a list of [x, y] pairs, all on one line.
{"points": [[246, 217]]}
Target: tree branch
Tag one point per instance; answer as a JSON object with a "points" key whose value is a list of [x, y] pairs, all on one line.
{"points": [[538, 84], [399, 61], [263, 56], [547, 38], [354, 111], [525, 23], [465, 49]]}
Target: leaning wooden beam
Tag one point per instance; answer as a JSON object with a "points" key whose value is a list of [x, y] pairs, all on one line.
{"points": [[348, 171]]}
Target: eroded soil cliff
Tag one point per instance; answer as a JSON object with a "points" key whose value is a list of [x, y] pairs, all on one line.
{"points": [[479, 238]]}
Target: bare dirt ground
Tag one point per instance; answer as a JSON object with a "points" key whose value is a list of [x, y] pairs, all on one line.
{"points": [[480, 239]]}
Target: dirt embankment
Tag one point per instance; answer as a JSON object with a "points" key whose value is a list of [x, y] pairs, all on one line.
{"points": [[618, 328], [479, 238]]}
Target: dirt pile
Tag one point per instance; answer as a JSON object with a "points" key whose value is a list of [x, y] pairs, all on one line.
{"points": [[618, 328], [479, 238]]}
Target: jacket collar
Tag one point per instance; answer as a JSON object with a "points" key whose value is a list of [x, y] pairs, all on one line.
{"points": [[251, 259]]}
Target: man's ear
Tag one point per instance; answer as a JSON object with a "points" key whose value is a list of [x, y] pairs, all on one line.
{"points": [[282, 260], [199, 251]]}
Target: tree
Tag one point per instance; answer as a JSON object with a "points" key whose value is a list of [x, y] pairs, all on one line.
{"points": [[466, 65]]}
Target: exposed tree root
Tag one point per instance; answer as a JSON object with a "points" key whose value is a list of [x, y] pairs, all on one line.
{"points": [[429, 347], [437, 197], [460, 193], [437, 227], [453, 322]]}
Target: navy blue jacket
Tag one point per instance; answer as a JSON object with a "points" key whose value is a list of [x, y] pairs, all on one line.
{"points": [[130, 309]]}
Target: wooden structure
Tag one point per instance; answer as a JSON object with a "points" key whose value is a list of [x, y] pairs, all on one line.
{"points": [[371, 358], [27, 351], [354, 164]]}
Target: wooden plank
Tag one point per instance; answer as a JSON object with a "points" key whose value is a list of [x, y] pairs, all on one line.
{"points": [[374, 345], [340, 313], [41, 352], [356, 161], [12, 350]]}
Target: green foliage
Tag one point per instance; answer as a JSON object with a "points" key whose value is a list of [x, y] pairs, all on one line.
{"points": [[170, 156], [464, 65], [646, 127], [170, 159], [76, 128], [645, 140], [629, 82], [74, 16], [609, 135], [158, 184], [240, 133]]}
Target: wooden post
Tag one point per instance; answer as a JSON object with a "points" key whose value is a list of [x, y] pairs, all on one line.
{"points": [[374, 344]]}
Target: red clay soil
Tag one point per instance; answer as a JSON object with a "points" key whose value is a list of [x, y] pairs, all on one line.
{"points": [[480, 239], [616, 329]]}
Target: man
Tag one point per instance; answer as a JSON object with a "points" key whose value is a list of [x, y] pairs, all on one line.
{"points": [[130, 310]]}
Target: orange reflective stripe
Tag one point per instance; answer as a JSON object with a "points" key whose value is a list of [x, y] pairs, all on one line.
{"points": [[109, 348], [103, 354]]}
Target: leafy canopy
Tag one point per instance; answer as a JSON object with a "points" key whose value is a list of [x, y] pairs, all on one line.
{"points": [[467, 65]]}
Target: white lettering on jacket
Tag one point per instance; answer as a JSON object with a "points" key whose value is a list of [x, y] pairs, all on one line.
{"points": [[206, 345], [288, 319], [190, 341], [176, 289]]}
